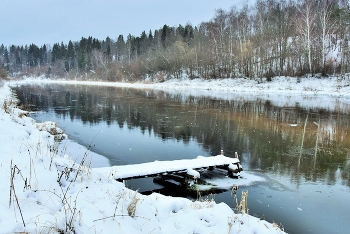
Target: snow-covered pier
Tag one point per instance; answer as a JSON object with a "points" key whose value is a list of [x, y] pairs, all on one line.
{"points": [[188, 168]]}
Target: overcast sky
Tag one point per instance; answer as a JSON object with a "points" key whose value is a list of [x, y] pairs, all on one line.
{"points": [[49, 21]]}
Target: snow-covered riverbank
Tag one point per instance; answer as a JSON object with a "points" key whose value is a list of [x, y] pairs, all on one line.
{"points": [[328, 93], [45, 190], [312, 86]]}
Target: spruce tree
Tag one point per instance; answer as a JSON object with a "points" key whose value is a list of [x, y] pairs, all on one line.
{"points": [[70, 58]]}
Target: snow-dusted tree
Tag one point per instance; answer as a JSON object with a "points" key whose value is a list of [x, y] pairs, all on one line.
{"points": [[305, 24], [282, 13], [265, 39], [244, 32], [327, 27], [343, 14], [128, 43]]}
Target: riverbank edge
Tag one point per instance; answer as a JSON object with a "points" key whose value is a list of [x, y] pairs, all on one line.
{"points": [[332, 86]]}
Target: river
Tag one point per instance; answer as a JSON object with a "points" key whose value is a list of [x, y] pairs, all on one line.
{"points": [[299, 145]]}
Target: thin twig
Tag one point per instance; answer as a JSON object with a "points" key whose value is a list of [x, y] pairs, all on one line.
{"points": [[20, 211], [112, 216], [11, 183], [12, 188]]}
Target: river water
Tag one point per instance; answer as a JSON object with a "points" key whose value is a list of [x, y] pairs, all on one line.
{"points": [[299, 145]]}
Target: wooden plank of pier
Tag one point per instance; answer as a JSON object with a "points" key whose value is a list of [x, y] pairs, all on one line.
{"points": [[184, 166]]}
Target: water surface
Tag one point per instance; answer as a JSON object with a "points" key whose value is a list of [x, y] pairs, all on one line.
{"points": [[299, 144]]}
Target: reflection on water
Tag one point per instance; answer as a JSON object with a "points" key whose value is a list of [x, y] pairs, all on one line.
{"points": [[293, 142], [302, 143]]}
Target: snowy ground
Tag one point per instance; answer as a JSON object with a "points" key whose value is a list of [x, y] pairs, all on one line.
{"points": [[48, 188], [329, 86]]}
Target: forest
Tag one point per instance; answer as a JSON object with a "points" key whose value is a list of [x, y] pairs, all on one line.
{"points": [[270, 38]]}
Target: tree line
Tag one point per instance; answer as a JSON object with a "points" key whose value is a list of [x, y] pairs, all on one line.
{"points": [[270, 38]]}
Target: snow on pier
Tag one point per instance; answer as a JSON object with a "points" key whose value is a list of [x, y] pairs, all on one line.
{"points": [[189, 167]]}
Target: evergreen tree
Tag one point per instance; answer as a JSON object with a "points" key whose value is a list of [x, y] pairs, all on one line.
{"points": [[150, 36], [81, 53], [2, 49], [63, 51], [55, 53], [70, 58], [43, 57], [188, 33], [96, 44], [18, 59], [107, 51], [6, 59], [164, 35], [129, 46], [120, 48], [33, 55]]}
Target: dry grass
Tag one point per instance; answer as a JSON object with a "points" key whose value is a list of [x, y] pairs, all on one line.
{"points": [[276, 226], [22, 114], [66, 174], [242, 205], [15, 170], [132, 206], [8, 105]]}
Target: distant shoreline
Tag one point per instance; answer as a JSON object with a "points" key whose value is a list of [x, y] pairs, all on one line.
{"points": [[330, 86]]}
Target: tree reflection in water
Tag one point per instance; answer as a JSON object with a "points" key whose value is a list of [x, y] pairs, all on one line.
{"points": [[294, 141]]}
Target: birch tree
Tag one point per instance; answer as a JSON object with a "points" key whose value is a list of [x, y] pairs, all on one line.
{"points": [[327, 28], [305, 24]]}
